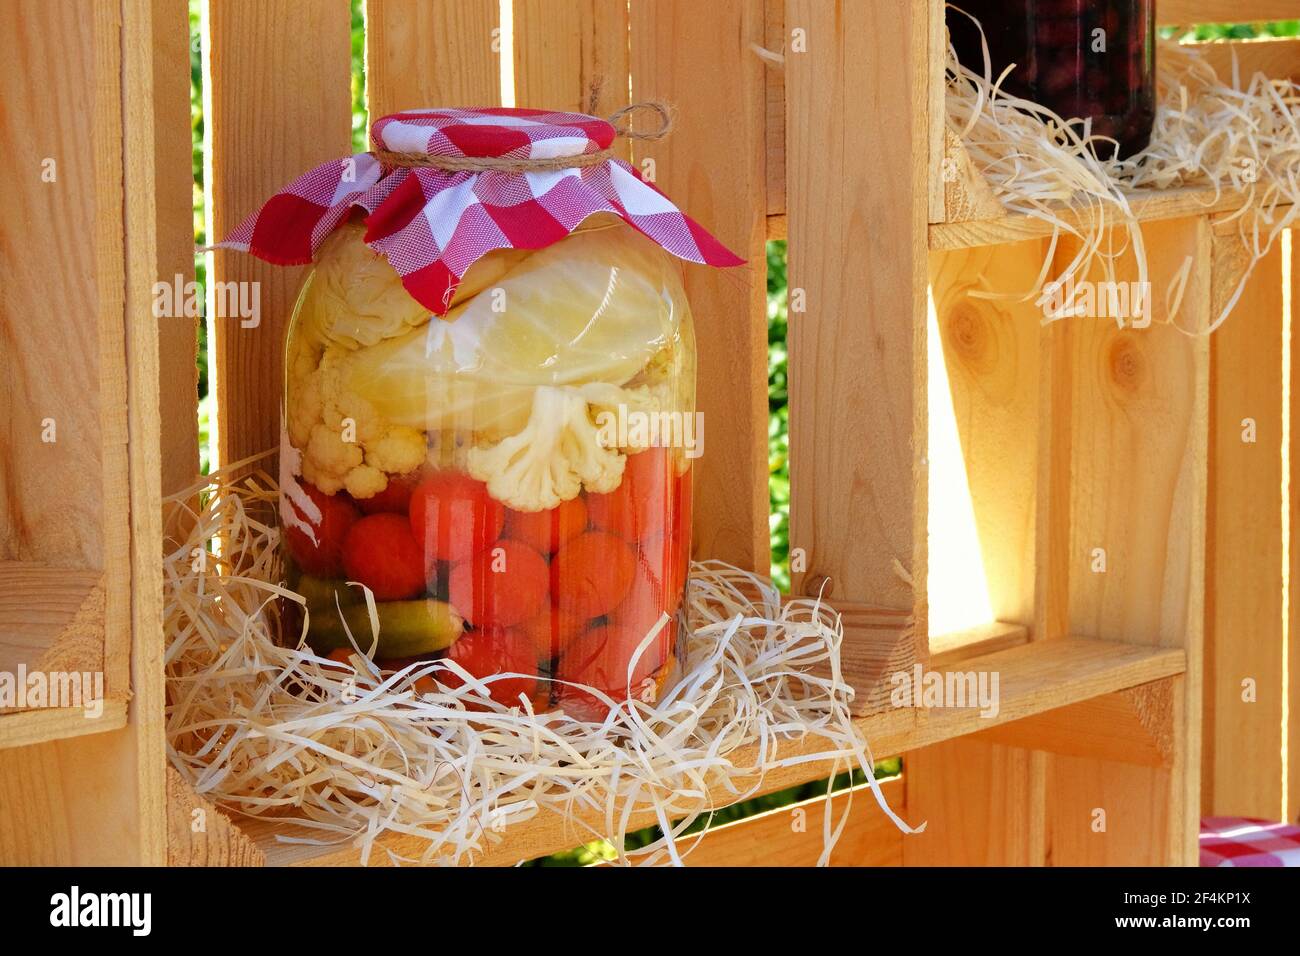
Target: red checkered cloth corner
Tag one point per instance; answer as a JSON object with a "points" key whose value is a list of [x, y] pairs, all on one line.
{"points": [[433, 224], [1242, 841]]}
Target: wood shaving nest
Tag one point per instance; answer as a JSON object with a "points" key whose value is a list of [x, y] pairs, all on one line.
{"points": [[266, 730], [1242, 135]]}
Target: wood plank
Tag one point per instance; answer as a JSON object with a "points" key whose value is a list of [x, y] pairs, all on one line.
{"points": [[1139, 410], [1131, 726], [990, 823], [1147, 206], [1291, 765], [1033, 678], [1244, 639], [857, 356], [562, 49], [1275, 57], [775, 41], [792, 836], [1225, 11], [425, 53], [699, 57], [277, 101], [136, 775], [31, 727], [42, 605], [198, 834], [173, 204]]}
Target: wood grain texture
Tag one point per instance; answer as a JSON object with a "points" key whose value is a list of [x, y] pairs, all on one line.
{"points": [[776, 40], [1033, 678], [1131, 726], [562, 49], [858, 205], [1225, 11], [174, 225], [991, 352], [198, 834], [1139, 400], [1242, 771], [699, 57], [277, 101], [426, 53], [1275, 57], [977, 801], [792, 836]]}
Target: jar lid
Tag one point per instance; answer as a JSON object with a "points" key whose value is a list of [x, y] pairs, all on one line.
{"points": [[492, 132], [444, 187]]}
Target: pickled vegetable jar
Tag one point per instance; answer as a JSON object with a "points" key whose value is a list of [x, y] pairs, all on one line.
{"points": [[1079, 58], [490, 408]]}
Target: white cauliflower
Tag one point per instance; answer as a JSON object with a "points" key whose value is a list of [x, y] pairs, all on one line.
{"points": [[552, 459]]}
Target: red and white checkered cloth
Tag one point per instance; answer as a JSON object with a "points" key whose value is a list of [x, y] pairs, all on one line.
{"points": [[1242, 841], [432, 224]]}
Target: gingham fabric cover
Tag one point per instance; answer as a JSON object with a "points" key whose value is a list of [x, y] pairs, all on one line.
{"points": [[1243, 841], [432, 225]]}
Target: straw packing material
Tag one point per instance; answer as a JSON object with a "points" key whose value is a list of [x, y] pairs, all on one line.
{"points": [[266, 728], [1242, 136]]}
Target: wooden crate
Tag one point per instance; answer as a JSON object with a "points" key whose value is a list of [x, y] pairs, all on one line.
{"points": [[1074, 437]]}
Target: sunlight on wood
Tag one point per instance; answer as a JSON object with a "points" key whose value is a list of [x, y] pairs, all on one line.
{"points": [[958, 590]]}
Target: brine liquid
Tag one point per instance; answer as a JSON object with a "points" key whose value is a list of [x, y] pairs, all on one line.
{"points": [[1080, 58]]}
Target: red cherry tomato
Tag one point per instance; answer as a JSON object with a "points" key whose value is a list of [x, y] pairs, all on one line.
{"points": [[647, 599], [495, 651], [601, 658], [381, 553], [552, 631], [323, 557], [591, 574], [545, 531], [638, 507], [500, 587], [396, 496], [454, 517]]}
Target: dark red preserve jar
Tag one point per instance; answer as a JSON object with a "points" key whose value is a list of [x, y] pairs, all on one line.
{"points": [[1079, 58]]}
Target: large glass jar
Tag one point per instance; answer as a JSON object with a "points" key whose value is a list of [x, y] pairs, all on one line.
{"points": [[508, 480], [1079, 58]]}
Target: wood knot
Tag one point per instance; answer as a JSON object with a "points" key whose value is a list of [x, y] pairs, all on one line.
{"points": [[818, 585], [970, 338], [1127, 363]]}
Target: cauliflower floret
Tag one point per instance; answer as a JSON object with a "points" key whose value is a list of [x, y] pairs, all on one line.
{"points": [[365, 481], [606, 399], [399, 450], [550, 461], [329, 453]]}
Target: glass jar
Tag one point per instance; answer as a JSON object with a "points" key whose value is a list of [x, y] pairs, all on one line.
{"points": [[1079, 58], [503, 478]]}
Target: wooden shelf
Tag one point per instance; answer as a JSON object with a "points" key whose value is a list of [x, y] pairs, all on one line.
{"points": [[1149, 206], [52, 620], [1034, 678]]}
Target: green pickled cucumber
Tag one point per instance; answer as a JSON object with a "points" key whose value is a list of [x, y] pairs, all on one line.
{"points": [[406, 628], [320, 592]]}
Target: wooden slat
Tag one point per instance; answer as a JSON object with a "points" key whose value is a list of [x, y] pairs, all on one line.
{"points": [[50, 615], [1033, 678], [776, 41], [978, 802], [561, 49], [198, 834], [1275, 57], [793, 835], [857, 355], [277, 102], [698, 56], [1291, 765], [173, 202], [425, 53], [1186, 12], [1137, 460], [1242, 763]]}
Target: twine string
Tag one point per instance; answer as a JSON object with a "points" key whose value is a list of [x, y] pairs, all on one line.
{"points": [[620, 119]]}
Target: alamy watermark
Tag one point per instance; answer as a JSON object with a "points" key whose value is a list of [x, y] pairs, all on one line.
{"points": [[1128, 303], [234, 299], [932, 689], [634, 428], [23, 689]]}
